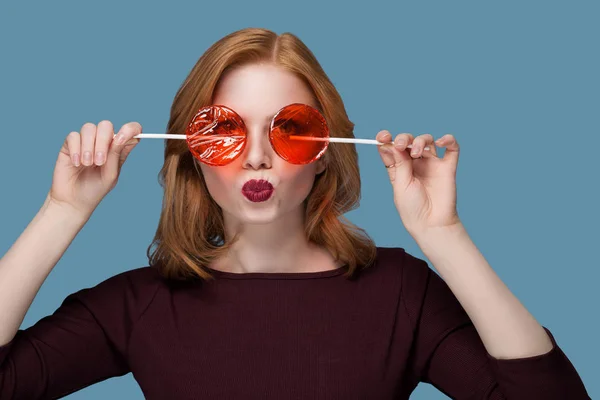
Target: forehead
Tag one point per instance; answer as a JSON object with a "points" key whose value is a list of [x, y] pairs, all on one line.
{"points": [[258, 91]]}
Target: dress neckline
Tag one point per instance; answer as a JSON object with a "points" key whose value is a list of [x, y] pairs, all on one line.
{"points": [[277, 275]]}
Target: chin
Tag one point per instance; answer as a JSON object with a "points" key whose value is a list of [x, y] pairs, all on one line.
{"points": [[246, 212], [257, 217]]}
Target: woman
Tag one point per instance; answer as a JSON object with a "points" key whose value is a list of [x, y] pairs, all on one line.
{"points": [[256, 286]]}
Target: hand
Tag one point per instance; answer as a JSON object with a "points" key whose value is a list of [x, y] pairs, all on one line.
{"points": [[424, 188], [81, 185]]}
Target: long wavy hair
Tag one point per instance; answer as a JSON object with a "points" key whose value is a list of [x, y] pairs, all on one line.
{"points": [[191, 232]]}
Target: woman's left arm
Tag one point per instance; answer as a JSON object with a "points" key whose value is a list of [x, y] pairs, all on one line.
{"points": [[425, 195], [505, 326], [520, 349]]}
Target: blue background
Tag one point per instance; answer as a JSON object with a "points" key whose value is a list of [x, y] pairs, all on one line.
{"points": [[515, 82]]}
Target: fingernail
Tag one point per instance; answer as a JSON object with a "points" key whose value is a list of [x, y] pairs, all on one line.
{"points": [[400, 143], [87, 157], [99, 158], [75, 158], [120, 138]]}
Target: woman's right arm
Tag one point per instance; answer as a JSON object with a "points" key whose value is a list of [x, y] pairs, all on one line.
{"points": [[86, 339], [29, 261], [79, 184]]}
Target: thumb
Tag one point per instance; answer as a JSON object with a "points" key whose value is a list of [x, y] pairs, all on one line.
{"points": [[126, 150], [119, 150]]}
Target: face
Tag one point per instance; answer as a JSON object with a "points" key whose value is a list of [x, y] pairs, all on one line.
{"points": [[256, 92]]}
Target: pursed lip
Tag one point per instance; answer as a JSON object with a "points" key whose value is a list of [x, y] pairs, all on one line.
{"points": [[257, 185], [257, 191]]}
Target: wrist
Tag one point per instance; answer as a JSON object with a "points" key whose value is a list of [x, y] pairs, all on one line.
{"points": [[442, 232], [64, 211]]}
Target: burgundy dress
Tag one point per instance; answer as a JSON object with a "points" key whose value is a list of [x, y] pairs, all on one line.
{"points": [[313, 335]]}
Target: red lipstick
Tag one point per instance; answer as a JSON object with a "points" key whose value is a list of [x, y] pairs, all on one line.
{"points": [[257, 190]]}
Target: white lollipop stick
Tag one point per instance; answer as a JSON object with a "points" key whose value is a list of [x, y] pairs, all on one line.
{"points": [[174, 136], [343, 140], [159, 136], [293, 137]]}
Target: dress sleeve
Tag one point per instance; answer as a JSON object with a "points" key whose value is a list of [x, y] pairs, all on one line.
{"points": [[450, 355], [83, 342]]}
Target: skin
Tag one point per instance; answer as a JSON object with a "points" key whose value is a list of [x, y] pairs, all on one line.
{"points": [[425, 196], [272, 232]]}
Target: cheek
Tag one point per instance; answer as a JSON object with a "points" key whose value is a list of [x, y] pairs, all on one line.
{"points": [[300, 183], [218, 182]]}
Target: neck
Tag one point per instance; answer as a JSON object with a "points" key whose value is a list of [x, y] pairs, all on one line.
{"points": [[279, 246]]}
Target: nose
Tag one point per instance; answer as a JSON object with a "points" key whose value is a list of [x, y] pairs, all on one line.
{"points": [[258, 152]]}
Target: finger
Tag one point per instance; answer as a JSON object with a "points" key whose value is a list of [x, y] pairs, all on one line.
{"points": [[402, 170], [88, 140], [104, 135], [384, 137], [386, 149], [402, 141], [452, 148], [72, 148], [420, 143], [121, 146]]}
